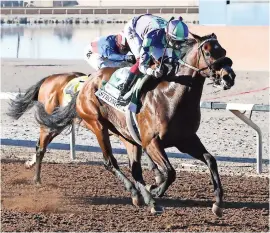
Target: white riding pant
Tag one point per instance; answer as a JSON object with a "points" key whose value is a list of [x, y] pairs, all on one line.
{"points": [[96, 61], [133, 39]]}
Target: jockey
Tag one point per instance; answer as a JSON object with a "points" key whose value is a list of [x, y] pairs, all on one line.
{"points": [[109, 51], [154, 44], [136, 29]]}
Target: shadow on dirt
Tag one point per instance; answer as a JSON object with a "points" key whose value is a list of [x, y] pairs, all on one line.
{"points": [[168, 202]]}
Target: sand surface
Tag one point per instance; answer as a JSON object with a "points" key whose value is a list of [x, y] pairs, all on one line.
{"points": [[86, 197]]}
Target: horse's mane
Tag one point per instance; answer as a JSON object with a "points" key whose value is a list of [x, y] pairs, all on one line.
{"points": [[189, 43], [186, 46]]}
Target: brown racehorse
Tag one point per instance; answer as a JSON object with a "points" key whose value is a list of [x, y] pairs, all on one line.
{"points": [[170, 116]]}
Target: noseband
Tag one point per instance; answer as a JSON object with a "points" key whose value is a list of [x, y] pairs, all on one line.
{"points": [[200, 52]]}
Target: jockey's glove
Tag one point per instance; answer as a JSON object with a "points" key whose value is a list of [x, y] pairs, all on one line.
{"points": [[131, 59], [156, 73]]}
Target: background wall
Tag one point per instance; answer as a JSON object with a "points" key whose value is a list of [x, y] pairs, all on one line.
{"points": [[234, 12], [247, 46], [139, 3]]}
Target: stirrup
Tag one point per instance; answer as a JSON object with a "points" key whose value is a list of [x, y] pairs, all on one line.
{"points": [[122, 101], [123, 91], [127, 96]]}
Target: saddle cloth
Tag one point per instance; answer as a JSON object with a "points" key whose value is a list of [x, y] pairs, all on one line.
{"points": [[110, 92], [72, 87]]}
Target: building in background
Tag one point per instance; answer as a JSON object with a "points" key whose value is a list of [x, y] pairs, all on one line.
{"points": [[234, 12], [38, 3], [11, 3], [126, 3], [100, 3]]}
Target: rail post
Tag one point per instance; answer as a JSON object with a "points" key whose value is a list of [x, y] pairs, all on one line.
{"points": [[72, 142], [259, 136]]}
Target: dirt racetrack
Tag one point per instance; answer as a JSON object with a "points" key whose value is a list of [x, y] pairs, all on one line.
{"points": [[86, 197]]}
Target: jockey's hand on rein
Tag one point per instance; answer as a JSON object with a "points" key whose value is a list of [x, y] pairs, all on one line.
{"points": [[156, 73], [131, 59]]}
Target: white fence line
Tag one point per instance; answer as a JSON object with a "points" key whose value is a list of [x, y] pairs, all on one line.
{"points": [[99, 10], [235, 108]]}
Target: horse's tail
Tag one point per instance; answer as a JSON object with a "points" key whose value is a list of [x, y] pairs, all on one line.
{"points": [[24, 102], [60, 119]]}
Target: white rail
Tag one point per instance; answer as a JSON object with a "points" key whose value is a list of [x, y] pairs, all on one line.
{"points": [[234, 108], [98, 10]]}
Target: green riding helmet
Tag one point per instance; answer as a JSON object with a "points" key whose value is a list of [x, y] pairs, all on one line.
{"points": [[176, 33]]}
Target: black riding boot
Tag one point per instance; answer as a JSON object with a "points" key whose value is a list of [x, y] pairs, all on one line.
{"points": [[126, 87], [127, 84]]}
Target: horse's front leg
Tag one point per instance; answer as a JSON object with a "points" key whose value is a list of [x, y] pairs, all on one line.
{"points": [[159, 176], [158, 155], [134, 154], [196, 149], [110, 163]]}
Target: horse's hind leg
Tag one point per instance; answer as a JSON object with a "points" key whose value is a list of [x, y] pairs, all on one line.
{"points": [[196, 149], [45, 138], [30, 163]]}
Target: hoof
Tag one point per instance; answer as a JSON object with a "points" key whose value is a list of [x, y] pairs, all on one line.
{"points": [[28, 164], [159, 180], [157, 210], [37, 182], [150, 187], [137, 200], [217, 210]]}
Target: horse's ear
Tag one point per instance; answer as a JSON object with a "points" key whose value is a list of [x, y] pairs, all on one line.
{"points": [[213, 35], [196, 37]]}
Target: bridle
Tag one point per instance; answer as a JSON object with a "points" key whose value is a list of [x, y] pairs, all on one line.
{"points": [[201, 52]]}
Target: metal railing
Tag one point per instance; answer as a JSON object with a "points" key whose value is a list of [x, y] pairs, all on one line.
{"points": [[232, 107], [98, 10]]}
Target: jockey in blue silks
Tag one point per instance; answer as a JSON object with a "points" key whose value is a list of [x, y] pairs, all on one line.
{"points": [[109, 51]]}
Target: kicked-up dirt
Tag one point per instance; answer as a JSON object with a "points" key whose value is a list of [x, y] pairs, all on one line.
{"points": [[86, 197]]}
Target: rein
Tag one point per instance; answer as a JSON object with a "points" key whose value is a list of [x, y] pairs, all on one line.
{"points": [[202, 52]]}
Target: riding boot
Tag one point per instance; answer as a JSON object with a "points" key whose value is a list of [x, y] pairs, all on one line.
{"points": [[128, 83], [134, 71]]}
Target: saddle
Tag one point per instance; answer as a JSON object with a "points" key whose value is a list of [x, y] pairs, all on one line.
{"points": [[111, 91], [72, 87]]}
